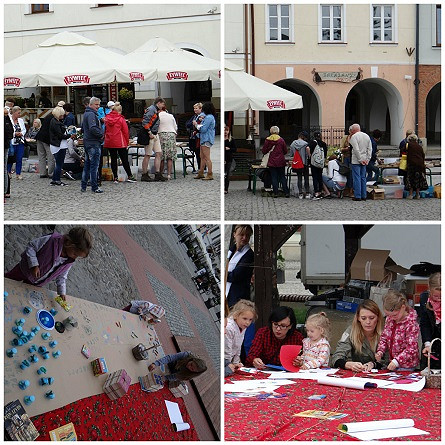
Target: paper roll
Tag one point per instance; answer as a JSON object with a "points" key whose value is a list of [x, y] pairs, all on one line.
{"points": [[181, 426], [356, 427], [346, 383]]}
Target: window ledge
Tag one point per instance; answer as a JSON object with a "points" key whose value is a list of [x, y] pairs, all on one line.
{"points": [[332, 43], [436, 47], [39, 12], [272, 42], [104, 5], [383, 43]]}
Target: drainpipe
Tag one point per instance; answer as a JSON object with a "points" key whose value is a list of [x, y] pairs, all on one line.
{"points": [[246, 58], [416, 81], [252, 50]]}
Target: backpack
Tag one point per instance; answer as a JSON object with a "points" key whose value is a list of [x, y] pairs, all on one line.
{"points": [[297, 162], [343, 169], [317, 158]]}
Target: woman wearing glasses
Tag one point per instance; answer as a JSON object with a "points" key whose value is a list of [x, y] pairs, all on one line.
{"points": [[267, 343]]}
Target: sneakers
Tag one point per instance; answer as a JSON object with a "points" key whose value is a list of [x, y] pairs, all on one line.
{"points": [[300, 196], [146, 178], [58, 183], [316, 198], [115, 181], [307, 196], [69, 175], [19, 177], [131, 179], [98, 191]]}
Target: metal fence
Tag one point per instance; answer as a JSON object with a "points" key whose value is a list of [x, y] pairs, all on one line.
{"points": [[331, 135]]}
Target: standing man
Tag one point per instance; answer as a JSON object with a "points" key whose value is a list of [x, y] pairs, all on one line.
{"points": [[150, 122], [92, 139], [371, 169], [361, 155]]}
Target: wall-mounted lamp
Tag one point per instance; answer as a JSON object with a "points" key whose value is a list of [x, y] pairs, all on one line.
{"points": [[410, 51]]}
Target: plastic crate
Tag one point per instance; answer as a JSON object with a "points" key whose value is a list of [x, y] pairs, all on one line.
{"points": [[346, 306], [394, 191]]}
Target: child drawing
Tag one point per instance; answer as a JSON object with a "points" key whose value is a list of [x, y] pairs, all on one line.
{"points": [[316, 346], [242, 315], [400, 334], [150, 312], [50, 257]]}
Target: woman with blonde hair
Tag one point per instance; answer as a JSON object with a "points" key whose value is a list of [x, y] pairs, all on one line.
{"points": [[17, 146], [58, 143], [431, 319], [358, 344]]}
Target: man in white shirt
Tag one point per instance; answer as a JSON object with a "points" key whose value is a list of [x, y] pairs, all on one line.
{"points": [[361, 155]]}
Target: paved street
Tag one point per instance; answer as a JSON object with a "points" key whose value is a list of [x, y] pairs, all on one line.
{"points": [[181, 199], [242, 205]]}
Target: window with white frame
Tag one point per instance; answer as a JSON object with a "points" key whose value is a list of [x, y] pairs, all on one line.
{"points": [[438, 25], [331, 23], [279, 27], [383, 29]]}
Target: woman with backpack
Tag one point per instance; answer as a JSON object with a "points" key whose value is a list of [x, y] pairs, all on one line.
{"points": [[318, 150]]}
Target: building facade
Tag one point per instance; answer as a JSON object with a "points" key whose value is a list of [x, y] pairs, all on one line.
{"points": [[122, 28], [349, 62]]}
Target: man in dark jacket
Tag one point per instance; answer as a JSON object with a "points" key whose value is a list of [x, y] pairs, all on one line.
{"points": [[371, 169], [8, 133], [43, 151], [150, 122], [92, 138]]}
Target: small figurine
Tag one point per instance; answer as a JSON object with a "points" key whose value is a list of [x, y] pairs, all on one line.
{"points": [[17, 330], [46, 335], [29, 399], [32, 348], [53, 343], [45, 356], [35, 329], [53, 312], [41, 370], [33, 358], [25, 364], [43, 381], [24, 339], [56, 354], [20, 322], [17, 342], [50, 395], [42, 349], [11, 352], [23, 384], [27, 310]]}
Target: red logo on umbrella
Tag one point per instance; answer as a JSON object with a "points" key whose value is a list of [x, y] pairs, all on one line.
{"points": [[136, 76], [12, 82], [76, 78], [276, 104], [177, 75]]}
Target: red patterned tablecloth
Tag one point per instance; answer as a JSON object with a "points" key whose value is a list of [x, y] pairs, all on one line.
{"points": [[272, 419], [138, 415]]}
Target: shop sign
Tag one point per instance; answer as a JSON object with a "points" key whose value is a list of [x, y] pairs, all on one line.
{"points": [[14, 82], [136, 76], [76, 78], [177, 75], [337, 76], [113, 91], [275, 103]]}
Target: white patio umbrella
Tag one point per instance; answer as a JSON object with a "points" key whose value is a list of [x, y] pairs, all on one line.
{"points": [[64, 59], [243, 91], [170, 63]]}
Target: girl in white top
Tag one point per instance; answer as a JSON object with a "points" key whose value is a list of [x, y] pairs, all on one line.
{"points": [[334, 181], [167, 137], [241, 317], [316, 348]]}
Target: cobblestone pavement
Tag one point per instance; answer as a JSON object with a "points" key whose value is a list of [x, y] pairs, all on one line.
{"points": [[243, 205], [34, 199]]}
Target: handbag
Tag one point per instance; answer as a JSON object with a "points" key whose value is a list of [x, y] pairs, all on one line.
{"points": [[433, 378], [143, 137], [403, 163], [265, 159], [377, 293], [297, 162]]}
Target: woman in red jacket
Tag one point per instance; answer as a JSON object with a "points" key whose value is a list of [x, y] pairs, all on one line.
{"points": [[275, 145], [116, 140]]}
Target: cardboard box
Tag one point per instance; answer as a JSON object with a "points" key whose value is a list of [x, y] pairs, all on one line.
{"points": [[178, 389], [374, 265], [99, 366], [151, 382], [117, 384], [375, 192]]}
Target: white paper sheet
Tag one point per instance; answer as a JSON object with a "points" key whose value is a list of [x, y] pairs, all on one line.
{"points": [[304, 374], [381, 429], [389, 384], [175, 416], [256, 385], [344, 383]]}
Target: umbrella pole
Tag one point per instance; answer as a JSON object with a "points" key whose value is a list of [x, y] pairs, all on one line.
{"points": [[67, 95]]}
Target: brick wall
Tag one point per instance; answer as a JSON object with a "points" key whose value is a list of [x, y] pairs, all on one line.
{"points": [[429, 75]]}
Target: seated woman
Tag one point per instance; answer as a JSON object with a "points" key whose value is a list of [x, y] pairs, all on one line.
{"points": [[358, 344], [334, 182], [267, 343], [430, 320]]}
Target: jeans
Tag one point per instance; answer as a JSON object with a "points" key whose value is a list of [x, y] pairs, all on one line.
{"points": [[332, 185], [300, 173], [59, 157], [92, 157], [278, 176], [359, 180], [19, 150], [370, 169], [317, 180]]}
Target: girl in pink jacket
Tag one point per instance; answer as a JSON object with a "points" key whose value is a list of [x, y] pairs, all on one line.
{"points": [[400, 334]]}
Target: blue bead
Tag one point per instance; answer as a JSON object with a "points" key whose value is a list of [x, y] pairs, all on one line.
{"points": [[29, 399]]}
